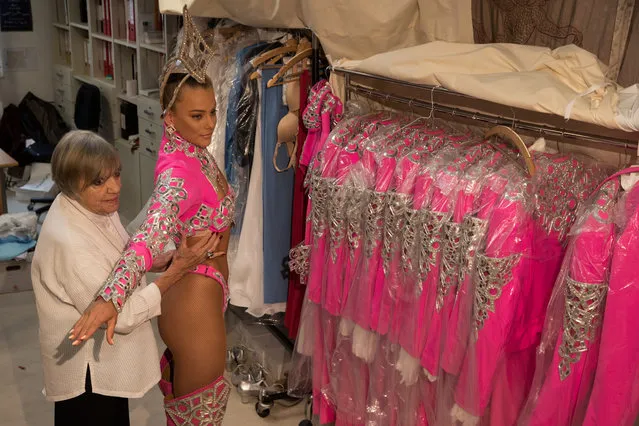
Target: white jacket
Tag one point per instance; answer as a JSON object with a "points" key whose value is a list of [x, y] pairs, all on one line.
{"points": [[75, 253]]}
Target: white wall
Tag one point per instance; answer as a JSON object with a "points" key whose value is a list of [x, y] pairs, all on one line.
{"points": [[15, 84]]}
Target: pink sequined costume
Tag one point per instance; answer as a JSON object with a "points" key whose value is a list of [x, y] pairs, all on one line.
{"points": [[571, 335], [184, 202], [615, 394]]}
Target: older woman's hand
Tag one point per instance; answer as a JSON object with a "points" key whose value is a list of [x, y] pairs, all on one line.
{"points": [[184, 259]]}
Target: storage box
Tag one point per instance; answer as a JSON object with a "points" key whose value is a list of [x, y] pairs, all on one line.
{"points": [[15, 276]]}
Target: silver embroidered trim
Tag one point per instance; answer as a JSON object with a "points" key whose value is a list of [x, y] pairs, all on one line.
{"points": [[582, 318], [395, 221], [409, 243], [355, 207], [430, 242], [207, 407], [322, 187], [473, 232], [374, 222], [161, 224], [299, 261], [450, 261], [493, 273], [337, 219]]}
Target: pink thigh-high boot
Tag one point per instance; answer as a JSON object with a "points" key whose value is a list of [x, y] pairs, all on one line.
{"points": [[203, 407]]}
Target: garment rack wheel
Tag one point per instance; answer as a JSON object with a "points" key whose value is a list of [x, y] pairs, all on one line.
{"points": [[308, 413]]}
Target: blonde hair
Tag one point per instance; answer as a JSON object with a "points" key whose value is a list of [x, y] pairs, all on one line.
{"points": [[81, 158]]}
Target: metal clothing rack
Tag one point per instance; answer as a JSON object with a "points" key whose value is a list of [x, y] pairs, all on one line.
{"points": [[470, 110]]}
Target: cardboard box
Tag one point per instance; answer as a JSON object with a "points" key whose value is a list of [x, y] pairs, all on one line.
{"points": [[15, 276]]}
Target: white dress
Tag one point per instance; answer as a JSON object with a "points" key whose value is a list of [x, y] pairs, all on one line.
{"points": [[246, 276]]}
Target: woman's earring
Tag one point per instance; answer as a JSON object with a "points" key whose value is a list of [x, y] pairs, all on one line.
{"points": [[170, 130]]}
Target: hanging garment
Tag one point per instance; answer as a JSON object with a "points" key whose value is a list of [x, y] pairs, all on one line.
{"points": [[277, 197], [300, 204], [570, 344], [238, 83], [246, 275], [503, 270], [222, 73], [615, 394]]}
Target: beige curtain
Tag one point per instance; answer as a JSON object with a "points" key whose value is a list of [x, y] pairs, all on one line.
{"points": [[629, 73], [353, 29], [599, 26]]}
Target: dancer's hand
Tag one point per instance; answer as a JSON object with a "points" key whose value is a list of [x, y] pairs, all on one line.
{"points": [[162, 261], [191, 253]]}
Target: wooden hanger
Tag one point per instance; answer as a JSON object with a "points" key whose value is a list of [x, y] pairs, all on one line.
{"points": [[256, 74], [304, 51], [512, 136], [290, 46]]}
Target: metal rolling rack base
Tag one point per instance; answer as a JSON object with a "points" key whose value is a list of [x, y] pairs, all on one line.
{"points": [[266, 397]]}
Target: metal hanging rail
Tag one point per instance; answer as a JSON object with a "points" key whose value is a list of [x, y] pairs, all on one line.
{"points": [[467, 109]]}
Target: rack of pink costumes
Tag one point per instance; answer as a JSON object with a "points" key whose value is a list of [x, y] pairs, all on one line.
{"points": [[448, 285]]}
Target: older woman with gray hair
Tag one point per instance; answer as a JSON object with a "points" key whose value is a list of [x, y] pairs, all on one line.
{"points": [[81, 240]]}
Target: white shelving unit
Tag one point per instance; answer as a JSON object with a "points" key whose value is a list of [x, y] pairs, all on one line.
{"points": [[119, 40]]}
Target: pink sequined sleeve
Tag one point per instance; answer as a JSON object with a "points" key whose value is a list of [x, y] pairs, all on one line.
{"points": [[162, 223]]}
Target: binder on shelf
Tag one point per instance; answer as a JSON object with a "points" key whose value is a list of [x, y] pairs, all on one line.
{"points": [[131, 20], [100, 16], [109, 63], [107, 17]]}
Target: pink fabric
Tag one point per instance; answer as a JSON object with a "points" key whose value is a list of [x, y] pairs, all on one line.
{"points": [[615, 394], [412, 335], [202, 407], [460, 317], [439, 322], [509, 236], [562, 400], [184, 201]]}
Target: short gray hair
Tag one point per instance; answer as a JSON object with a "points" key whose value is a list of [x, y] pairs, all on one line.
{"points": [[80, 158]]}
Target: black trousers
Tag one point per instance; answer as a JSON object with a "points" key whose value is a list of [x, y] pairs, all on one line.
{"points": [[91, 409]]}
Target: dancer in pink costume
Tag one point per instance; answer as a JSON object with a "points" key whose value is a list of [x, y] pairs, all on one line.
{"points": [[615, 394], [503, 269], [564, 379], [190, 195]]}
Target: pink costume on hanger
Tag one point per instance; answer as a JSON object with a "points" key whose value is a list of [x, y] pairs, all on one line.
{"points": [[563, 183], [370, 272], [323, 111], [321, 182], [183, 203], [417, 142], [437, 220], [562, 388], [335, 286], [503, 271], [615, 395], [463, 233], [296, 290], [460, 317]]}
